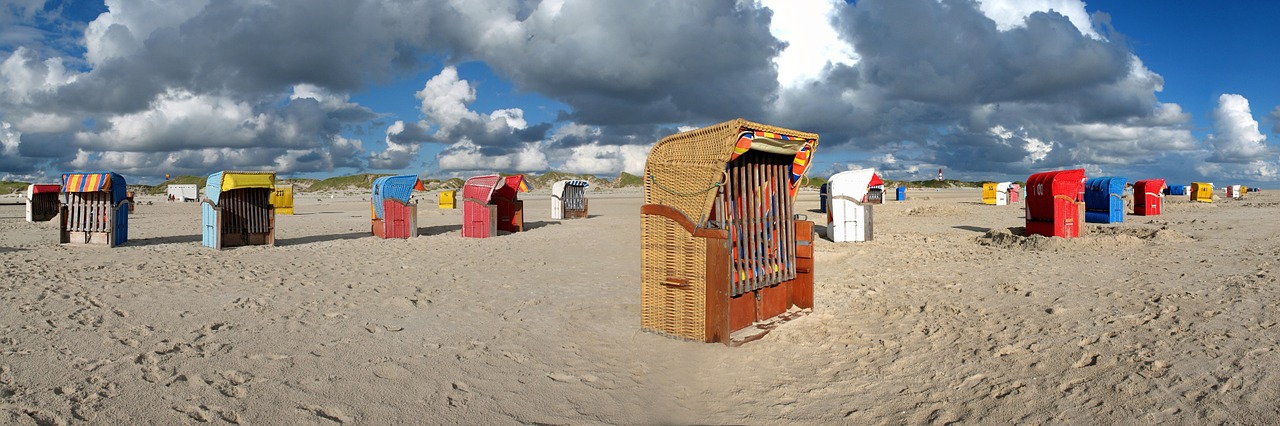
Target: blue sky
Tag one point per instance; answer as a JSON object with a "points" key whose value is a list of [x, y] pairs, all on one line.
{"points": [[987, 90]]}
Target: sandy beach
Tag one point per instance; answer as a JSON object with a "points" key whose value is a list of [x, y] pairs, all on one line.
{"points": [[947, 316]]}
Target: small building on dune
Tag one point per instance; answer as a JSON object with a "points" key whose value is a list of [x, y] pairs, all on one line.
{"points": [[183, 192], [94, 210], [237, 209]]}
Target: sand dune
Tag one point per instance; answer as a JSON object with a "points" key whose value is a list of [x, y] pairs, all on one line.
{"points": [[950, 314]]}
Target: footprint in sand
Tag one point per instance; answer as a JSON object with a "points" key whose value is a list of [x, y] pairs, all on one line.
{"points": [[326, 413], [459, 396]]}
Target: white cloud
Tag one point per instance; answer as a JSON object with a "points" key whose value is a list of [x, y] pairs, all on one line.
{"points": [[1236, 138], [397, 155], [467, 156], [24, 74], [180, 119], [9, 139], [127, 24], [606, 160], [812, 41], [1010, 14], [445, 98]]}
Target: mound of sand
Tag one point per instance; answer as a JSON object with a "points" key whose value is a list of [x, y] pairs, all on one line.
{"points": [[932, 210]]}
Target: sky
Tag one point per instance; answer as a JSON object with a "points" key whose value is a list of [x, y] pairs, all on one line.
{"points": [[985, 90]]}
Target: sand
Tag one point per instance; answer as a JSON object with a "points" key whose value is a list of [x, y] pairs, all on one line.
{"points": [[949, 315]]}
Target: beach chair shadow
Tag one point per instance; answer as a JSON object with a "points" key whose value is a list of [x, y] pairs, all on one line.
{"points": [[439, 230], [9, 249], [972, 228], [318, 238], [528, 226], [179, 239]]}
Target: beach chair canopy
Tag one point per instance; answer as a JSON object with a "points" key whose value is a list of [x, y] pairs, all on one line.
{"points": [[683, 170], [227, 180], [509, 186], [480, 188], [854, 184], [94, 182], [557, 189], [394, 188], [44, 188]]}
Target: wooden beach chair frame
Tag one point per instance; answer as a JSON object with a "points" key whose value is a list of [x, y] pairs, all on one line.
{"points": [[703, 206], [42, 201], [847, 203], [237, 210], [490, 204], [569, 199], [1055, 207], [94, 209]]}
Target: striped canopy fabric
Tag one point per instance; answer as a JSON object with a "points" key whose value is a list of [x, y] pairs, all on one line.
{"points": [[392, 187], [776, 143], [94, 182], [581, 183]]}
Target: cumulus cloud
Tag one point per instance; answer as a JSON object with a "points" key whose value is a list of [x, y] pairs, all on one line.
{"points": [[467, 156], [1236, 138]]}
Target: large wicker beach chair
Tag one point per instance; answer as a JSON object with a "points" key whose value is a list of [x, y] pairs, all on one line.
{"points": [[394, 214], [721, 248], [237, 209], [95, 210], [569, 199]]}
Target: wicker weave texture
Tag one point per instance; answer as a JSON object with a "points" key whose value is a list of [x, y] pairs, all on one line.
{"points": [[682, 171]]}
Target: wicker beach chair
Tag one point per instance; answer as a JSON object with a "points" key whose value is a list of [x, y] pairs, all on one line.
{"points": [[1202, 192], [569, 199], [721, 248], [1055, 204], [1104, 199], [42, 201], [394, 214], [490, 204], [237, 209], [849, 215], [94, 210]]}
